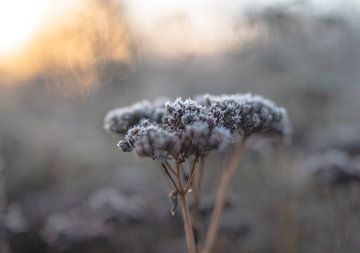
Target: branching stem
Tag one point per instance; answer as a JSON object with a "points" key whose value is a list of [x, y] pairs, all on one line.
{"points": [[169, 176], [170, 168]]}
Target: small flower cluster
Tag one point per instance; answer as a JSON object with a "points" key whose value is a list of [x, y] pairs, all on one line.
{"points": [[247, 114], [120, 120], [177, 129]]}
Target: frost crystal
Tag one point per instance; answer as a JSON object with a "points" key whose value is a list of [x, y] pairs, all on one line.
{"points": [[177, 129]]}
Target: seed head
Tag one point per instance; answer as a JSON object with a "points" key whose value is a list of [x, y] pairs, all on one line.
{"points": [[120, 120], [247, 114], [148, 139], [177, 129], [181, 113]]}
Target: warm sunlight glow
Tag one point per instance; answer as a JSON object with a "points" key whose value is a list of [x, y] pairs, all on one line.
{"points": [[68, 43], [19, 20]]}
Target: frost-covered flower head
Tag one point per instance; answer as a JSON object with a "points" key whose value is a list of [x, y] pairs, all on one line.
{"points": [[181, 128], [149, 139], [181, 113], [247, 114], [199, 138], [120, 120]]}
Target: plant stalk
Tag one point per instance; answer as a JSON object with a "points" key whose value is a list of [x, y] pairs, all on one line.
{"points": [[188, 227], [189, 234], [220, 198], [197, 185]]}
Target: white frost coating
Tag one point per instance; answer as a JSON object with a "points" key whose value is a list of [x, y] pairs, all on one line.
{"points": [[119, 120], [247, 113]]}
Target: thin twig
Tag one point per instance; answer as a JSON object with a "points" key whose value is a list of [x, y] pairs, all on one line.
{"points": [[220, 198], [170, 168], [189, 180], [169, 176]]}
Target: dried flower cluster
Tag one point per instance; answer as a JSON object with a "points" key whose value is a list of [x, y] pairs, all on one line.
{"points": [[187, 129], [120, 120], [247, 114], [180, 128]]}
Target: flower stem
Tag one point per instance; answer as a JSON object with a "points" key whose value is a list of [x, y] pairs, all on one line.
{"points": [[197, 184], [188, 228], [220, 198], [195, 211], [190, 240]]}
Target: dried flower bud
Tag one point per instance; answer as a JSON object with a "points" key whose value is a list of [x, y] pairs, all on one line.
{"points": [[181, 113], [120, 120], [148, 139], [198, 138]]}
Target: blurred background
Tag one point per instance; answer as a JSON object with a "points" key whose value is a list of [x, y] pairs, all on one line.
{"points": [[65, 187]]}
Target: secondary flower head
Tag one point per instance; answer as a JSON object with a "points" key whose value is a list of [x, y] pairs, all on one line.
{"points": [[149, 139], [247, 114], [120, 120]]}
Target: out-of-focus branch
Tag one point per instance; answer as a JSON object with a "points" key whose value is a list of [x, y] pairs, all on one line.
{"points": [[220, 198]]}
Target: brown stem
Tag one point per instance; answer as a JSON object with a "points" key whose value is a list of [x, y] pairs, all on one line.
{"points": [[197, 184], [195, 211], [167, 164], [169, 176], [189, 234], [190, 239], [220, 198]]}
